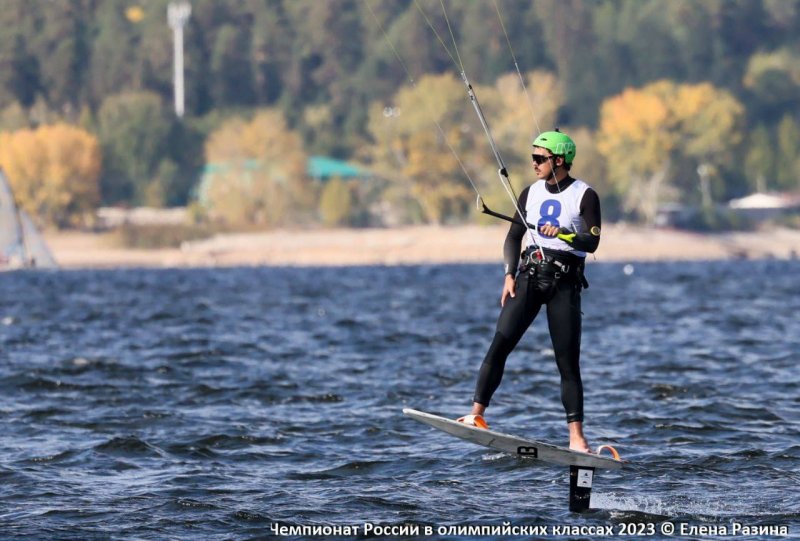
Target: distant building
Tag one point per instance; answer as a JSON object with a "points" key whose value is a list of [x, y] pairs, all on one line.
{"points": [[674, 215], [318, 168], [113, 217], [323, 168], [764, 206], [211, 172]]}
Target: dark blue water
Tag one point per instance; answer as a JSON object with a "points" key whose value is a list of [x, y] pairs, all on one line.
{"points": [[212, 404]]}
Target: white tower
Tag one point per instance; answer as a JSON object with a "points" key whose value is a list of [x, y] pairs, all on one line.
{"points": [[177, 15]]}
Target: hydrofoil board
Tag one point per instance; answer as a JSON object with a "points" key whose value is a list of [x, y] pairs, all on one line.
{"points": [[514, 444]]}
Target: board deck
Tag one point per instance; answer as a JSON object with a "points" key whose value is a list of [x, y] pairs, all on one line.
{"points": [[515, 445]]}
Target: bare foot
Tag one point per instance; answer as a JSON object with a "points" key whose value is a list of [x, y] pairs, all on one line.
{"points": [[475, 418], [577, 441], [580, 445]]}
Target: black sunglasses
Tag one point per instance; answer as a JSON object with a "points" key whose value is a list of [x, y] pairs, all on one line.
{"points": [[538, 159]]}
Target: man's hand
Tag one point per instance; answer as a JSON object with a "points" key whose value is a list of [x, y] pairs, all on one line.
{"points": [[509, 288], [548, 230]]}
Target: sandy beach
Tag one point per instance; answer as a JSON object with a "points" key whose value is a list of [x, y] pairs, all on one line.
{"points": [[408, 245]]}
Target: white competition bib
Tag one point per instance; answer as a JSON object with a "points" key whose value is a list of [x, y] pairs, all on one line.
{"points": [[559, 209]]}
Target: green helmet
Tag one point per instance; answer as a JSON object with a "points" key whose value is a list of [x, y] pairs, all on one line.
{"points": [[560, 144]]}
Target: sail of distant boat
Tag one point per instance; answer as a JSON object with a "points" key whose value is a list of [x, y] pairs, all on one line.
{"points": [[21, 244]]}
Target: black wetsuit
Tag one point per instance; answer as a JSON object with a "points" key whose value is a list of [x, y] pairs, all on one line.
{"points": [[555, 282]]}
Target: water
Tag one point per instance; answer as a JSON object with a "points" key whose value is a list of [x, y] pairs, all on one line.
{"points": [[210, 404]]}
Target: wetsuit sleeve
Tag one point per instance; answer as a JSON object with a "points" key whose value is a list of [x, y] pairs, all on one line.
{"points": [[590, 213], [513, 244]]}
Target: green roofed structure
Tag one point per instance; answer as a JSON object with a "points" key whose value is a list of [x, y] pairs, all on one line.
{"points": [[318, 168], [323, 168]]}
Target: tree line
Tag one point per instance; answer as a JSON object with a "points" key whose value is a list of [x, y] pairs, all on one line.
{"points": [[652, 91]]}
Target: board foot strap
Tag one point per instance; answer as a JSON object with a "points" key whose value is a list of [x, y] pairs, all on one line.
{"points": [[613, 451]]}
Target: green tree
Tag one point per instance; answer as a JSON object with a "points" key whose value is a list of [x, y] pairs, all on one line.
{"points": [[570, 42], [63, 51], [773, 78], [760, 160], [113, 61], [20, 73], [331, 67], [181, 168], [231, 68], [134, 130], [788, 155], [271, 51]]}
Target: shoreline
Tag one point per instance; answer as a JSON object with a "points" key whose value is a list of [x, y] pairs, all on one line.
{"points": [[409, 246]]}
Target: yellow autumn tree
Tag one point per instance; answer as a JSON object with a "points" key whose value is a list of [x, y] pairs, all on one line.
{"points": [[53, 171], [516, 115], [410, 150], [336, 203], [261, 177], [655, 138]]}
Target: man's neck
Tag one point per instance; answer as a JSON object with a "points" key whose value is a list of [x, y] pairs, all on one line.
{"points": [[561, 185], [560, 175]]}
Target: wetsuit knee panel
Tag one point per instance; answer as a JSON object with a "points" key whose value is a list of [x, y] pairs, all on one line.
{"points": [[501, 345]]}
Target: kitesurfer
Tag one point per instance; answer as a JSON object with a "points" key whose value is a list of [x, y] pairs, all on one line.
{"points": [[550, 272]]}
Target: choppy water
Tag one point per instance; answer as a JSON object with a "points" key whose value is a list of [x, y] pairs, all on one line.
{"points": [[200, 404]]}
